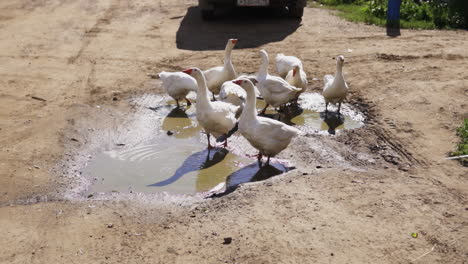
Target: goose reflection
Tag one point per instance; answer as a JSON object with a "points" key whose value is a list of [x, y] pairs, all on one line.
{"points": [[197, 161], [333, 120], [285, 114], [179, 122]]}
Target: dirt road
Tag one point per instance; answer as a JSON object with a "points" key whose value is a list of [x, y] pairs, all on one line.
{"points": [[355, 197]]}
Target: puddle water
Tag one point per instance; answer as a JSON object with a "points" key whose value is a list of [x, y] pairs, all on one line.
{"points": [[181, 166], [177, 160], [311, 116]]}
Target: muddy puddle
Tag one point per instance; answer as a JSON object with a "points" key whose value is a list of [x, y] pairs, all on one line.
{"points": [[176, 159], [311, 117]]}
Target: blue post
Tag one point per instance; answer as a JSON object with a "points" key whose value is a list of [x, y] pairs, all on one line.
{"points": [[393, 13], [393, 18]]}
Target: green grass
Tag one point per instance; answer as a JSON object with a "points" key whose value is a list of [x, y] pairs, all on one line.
{"points": [[462, 148], [357, 13]]}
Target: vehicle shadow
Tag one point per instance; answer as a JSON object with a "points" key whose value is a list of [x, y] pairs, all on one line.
{"points": [[253, 27]]}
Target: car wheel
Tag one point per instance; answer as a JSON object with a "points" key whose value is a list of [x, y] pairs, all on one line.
{"points": [[296, 12], [207, 14]]}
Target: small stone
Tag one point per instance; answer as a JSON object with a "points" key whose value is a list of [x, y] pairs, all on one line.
{"points": [[357, 181], [227, 240], [110, 225], [170, 133]]}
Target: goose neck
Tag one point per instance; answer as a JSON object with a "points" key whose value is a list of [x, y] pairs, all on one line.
{"points": [[202, 92], [339, 69], [263, 67], [227, 54], [250, 110]]}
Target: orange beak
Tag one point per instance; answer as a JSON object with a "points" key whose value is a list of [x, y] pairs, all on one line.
{"points": [[188, 71], [233, 41], [238, 82]]}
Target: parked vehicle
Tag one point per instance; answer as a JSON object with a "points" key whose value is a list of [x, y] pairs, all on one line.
{"points": [[295, 7]]}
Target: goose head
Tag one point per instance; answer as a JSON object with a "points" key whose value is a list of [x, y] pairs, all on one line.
{"points": [[296, 70], [339, 60], [231, 43], [246, 84], [264, 55], [194, 72]]}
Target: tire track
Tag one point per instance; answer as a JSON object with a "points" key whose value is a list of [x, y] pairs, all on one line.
{"points": [[92, 33]]}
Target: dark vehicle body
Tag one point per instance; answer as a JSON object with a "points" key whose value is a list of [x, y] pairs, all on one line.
{"points": [[295, 7]]}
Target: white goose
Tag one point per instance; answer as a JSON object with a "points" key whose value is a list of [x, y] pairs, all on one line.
{"points": [[178, 85], [275, 90], [216, 76], [335, 88], [269, 136], [233, 94], [284, 64], [217, 118], [297, 78]]}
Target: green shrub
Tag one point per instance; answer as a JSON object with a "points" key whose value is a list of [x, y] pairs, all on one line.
{"points": [[440, 13], [462, 148]]}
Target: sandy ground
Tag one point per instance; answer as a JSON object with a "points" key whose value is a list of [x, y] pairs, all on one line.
{"points": [[355, 197]]}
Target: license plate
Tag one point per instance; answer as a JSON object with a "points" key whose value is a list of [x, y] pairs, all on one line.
{"points": [[253, 2]]}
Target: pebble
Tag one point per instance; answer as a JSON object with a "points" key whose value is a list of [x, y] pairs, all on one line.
{"points": [[227, 240]]}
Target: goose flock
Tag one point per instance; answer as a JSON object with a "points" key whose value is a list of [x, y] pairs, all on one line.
{"points": [[236, 109]]}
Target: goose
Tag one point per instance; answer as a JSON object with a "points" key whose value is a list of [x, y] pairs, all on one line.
{"points": [[274, 90], [233, 94], [269, 136], [217, 118], [216, 76], [178, 85], [297, 78], [284, 64], [335, 88]]}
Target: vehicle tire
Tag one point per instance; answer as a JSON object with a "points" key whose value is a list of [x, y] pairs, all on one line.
{"points": [[207, 14], [296, 12]]}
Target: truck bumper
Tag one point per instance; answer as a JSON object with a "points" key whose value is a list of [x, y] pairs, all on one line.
{"points": [[210, 4]]}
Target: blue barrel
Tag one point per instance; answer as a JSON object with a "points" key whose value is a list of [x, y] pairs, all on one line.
{"points": [[393, 13]]}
